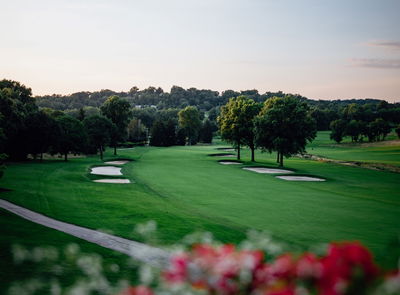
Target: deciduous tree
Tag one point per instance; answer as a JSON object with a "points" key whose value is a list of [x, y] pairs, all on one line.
{"points": [[236, 123], [99, 130], [72, 137], [189, 119], [284, 125], [119, 112]]}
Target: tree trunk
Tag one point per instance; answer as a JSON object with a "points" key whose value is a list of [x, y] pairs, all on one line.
{"points": [[277, 157], [252, 153], [101, 153], [115, 150], [41, 157], [66, 157], [280, 160], [238, 151]]}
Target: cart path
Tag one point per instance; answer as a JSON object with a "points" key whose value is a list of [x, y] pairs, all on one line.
{"points": [[140, 251]]}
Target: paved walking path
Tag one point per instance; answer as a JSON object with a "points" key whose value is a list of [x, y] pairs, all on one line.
{"points": [[142, 252]]}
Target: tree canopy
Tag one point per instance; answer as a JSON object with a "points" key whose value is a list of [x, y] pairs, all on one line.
{"points": [[99, 130], [72, 136], [189, 120], [284, 125], [236, 122], [119, 112]]}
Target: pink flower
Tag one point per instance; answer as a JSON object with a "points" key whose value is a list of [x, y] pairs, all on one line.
{"points": [[177, 272], [308, 267]]}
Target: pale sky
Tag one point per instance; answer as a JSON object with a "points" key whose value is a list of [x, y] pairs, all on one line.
{"points": [[318, 48]]}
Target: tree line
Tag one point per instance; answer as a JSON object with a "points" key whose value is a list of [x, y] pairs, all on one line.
{"points": [[26, 129], [28, 126], [208, 101], [359, 122]]}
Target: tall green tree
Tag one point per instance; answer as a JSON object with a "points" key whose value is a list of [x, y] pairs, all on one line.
{"points": [[119, 112], [163, 133], [16, 103], [284, 125], [42, 132], [354, 130], [73, 137], [236, 122], [189, 119], [99, 130], [206, 132], [338, 129], [381, 127]]}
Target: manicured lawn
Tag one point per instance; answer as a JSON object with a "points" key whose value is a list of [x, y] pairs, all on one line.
{"points": [[387, 152], [184, 189]]}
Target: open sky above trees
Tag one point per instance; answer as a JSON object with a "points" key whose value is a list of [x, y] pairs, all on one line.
{"points": [[320, 49]]}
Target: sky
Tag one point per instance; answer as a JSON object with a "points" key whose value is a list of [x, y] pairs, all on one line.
{"points": [[320, 49]]}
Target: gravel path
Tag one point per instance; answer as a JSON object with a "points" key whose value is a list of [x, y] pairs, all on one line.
{"points": [[142, 252]]}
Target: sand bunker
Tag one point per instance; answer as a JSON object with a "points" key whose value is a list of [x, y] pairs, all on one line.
{"points": [[119, 162], [112, 180], [229, 163], [300, 178], [106, 170], [267, 170]]}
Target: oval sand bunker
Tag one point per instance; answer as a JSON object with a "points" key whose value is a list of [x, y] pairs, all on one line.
{"points": [[229, 163], [120, 162], [106, 170], [300, 178], [112, 180], [267, 170]]}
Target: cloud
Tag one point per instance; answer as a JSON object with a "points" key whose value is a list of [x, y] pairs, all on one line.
{"points": [[375, 63], [392, 45]]}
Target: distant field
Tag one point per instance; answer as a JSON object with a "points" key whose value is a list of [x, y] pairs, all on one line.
{"points": [[184, 189], [387, 152]]}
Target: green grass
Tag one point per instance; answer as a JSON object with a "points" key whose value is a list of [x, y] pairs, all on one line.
{"points": [[377, 152], [184, 189], [17, 231]]}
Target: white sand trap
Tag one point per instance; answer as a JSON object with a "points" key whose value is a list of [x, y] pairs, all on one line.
{"points": [[229, 163], [106, 170], [121, 162], [227, 149], [112, 180], [300, 178], [267, 170]]}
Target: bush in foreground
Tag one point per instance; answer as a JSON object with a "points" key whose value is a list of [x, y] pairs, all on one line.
{"points": [[199, 265]]}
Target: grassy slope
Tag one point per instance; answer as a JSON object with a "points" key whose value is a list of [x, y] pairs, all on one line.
{"points": [[15, 230], [183, 190], [344, 207]]}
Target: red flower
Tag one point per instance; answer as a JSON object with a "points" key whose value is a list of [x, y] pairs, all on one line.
{"points": [[139, 290], [343, 262]]}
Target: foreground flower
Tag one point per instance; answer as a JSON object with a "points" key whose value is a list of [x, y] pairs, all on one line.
{"points": [[139, 290]]}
